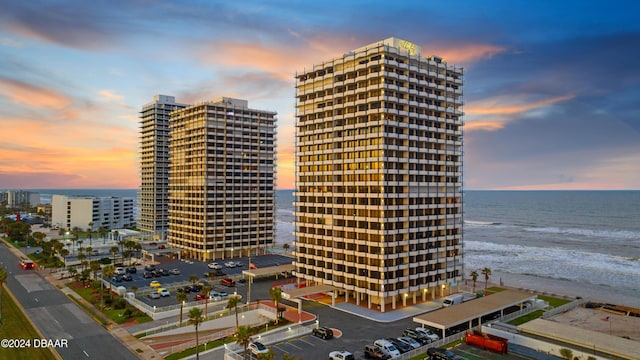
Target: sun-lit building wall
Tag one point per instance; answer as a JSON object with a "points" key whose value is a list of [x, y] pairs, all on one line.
{"points": [[222, 180], [379, 175]]}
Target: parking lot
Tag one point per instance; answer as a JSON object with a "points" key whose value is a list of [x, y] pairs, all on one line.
{"points": [[189, 268]]}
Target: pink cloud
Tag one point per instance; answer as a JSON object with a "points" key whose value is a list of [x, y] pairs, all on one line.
{"points": [[30, 95], [494, 113], [464, 53]]}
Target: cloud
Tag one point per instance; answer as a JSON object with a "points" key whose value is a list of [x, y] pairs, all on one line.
{"points": [[493, 113], [110, 95], [465, 53], [31, 95]]}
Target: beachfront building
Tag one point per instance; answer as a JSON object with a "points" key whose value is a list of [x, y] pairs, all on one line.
{"points": [[18, 198], [221, 179], [83, 212], [153, 197], [378, 211]]}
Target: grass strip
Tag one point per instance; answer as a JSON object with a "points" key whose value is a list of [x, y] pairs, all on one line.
{"points": [[17, 326]]}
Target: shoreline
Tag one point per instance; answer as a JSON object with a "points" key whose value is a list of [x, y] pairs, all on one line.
{"points": [[561, 288]]}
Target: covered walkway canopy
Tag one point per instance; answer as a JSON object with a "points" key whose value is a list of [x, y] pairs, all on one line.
{"points": [[262, 272], [473, 311]]}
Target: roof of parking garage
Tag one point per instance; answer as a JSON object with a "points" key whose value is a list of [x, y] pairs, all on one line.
{"points": [[268, 271], [458, 314]]}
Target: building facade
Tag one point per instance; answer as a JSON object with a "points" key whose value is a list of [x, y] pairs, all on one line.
{"points": [[222, 180], [18, 198], [378, 211], [84, 212], [153, 198]]}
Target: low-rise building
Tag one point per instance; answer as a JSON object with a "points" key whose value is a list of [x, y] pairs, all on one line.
{"points": [[92, 212]]}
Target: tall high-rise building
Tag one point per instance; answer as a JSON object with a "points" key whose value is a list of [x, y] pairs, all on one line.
{"points": [[153, 198], [222, 179], [379, 175]]}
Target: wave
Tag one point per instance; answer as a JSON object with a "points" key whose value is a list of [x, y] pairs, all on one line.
{"points": [[612, 234], [555, 263], [480, 223]]}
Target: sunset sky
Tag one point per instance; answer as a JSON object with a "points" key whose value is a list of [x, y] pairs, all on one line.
{"points": [[552, 88]]}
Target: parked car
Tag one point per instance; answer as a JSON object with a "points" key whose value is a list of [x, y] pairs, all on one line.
{"points": [[258, 348], [120, 271], [340, 355], [431, 335], [117, 278], [228, 282], [387, 347], [154, 295], [214, 273], [150, 267], [127, 278], [195, 288], [163, 272], [199, 297], [410, 341], [164, 292], [323, 332], [161, 246], [440, 354], [402, 347], [174, 272], [147, 275], [417, 336], [230, 264], [154, 284], [214, 266], [374, 352], [132, 270]]}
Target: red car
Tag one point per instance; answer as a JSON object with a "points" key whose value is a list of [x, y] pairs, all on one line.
{"points": [[200, 297], [227, 282], [27, 264]]}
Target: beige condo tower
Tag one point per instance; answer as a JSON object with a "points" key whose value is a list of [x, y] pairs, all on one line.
{"points": [[378, 211], [221, 179]]}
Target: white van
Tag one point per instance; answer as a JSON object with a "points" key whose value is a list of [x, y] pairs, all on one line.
{"points": [[387, 347], [451, 300]]}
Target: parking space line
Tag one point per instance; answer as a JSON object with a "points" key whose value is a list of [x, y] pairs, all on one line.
{"points": [[306, 342], [297, 347]]}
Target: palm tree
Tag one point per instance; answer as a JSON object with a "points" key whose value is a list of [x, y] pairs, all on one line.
{"points": [[206, 290], [81, 257], [3, 278], [474, 277], [108, 271], [270, 355], [90, 230], [286, 246], [94, 265], [181, 297], [233, 304], [276, 295], [114, 251], [487, 273], [243, 338], [64, 253], [195, 319], [134, 289], [193, 279]]}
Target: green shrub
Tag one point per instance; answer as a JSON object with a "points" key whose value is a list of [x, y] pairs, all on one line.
{"points": [[105, 261], [120, 304]]}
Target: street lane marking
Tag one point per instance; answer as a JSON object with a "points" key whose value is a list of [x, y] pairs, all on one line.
{"points": [[85, 353]]}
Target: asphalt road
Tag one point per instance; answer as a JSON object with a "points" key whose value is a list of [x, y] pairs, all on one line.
{"points": [[57, 317]]}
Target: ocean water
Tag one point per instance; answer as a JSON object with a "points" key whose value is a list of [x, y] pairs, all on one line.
{"points": [[578, 243]]}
